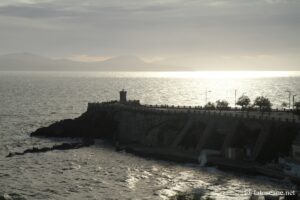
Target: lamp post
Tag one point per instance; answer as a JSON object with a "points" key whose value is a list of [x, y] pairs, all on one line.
{"points": [[206, 92], [235, 91], [294, 101], [290, 93]]}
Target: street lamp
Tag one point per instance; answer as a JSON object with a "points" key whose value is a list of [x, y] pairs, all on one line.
{"points": [[294, 100], [207, 91], [290, 93], [235, 91]]}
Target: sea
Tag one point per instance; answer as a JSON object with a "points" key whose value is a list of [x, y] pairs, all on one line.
{"points": [[30, 100]]}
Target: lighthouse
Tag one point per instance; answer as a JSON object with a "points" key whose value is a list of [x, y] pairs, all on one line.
{"points": [[123, 94]]}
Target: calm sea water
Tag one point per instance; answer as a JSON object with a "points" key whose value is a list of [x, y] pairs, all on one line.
{"points": [[29, 100]]}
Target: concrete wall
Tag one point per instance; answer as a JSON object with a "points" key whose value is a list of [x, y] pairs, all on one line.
{"points": [[189, 131]]}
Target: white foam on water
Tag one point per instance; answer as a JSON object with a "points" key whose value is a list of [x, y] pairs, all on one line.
{"points": [[183, 181], [131, 179]]}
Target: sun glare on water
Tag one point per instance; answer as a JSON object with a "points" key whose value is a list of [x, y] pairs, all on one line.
{"points": [[171, 74], [226, 74]]}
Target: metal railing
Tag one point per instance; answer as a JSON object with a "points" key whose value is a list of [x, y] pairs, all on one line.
{"points": [[274, 115]]}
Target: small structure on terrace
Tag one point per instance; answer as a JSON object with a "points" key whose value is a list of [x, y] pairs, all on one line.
{"points": [[123, 98]]}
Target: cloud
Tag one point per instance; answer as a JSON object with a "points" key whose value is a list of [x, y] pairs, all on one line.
{"points": [[30, 11], [87, 8], [200, 29], [257, 57]]}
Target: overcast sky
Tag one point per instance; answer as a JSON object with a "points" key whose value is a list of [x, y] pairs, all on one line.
{"points": [[222, 33]]}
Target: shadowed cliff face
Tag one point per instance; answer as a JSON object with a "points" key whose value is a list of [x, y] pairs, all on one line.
{"points": [[88, 125], [278, 142]]}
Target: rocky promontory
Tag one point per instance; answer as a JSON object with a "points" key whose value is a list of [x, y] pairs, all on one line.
{"points": [[178, 134], [88, 125]]}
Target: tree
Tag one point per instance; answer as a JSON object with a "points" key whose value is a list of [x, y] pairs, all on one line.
{"points": [[263, 103], [284, 105], [297, 105], [222, 104], [243, 101], [210, 106], [297, 108]]}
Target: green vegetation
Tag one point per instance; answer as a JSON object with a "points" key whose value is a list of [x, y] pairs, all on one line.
{"points": [[243, 101], [210, 106], [262, 103], [284, 105], [297, 105], [222, 105], [297, 108]]}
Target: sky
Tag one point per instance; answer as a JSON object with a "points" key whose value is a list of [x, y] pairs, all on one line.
{"points": [[224, 34]]}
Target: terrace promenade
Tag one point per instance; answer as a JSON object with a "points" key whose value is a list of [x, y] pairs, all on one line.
{"points": [[274, 115]]}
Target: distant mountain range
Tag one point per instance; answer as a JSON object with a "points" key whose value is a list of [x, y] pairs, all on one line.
{"points": [[32, 62]]}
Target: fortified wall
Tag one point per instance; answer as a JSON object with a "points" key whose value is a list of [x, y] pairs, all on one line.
{"points": [[182, 133]]}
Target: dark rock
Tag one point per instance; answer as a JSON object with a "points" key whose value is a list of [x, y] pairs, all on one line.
{"points": [[45, 149], [191, 195], [11, 196], [63, 146], [88, 125]]}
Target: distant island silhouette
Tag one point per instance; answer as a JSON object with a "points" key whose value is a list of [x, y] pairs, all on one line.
{"points": [[26, 61], [33, 62]]}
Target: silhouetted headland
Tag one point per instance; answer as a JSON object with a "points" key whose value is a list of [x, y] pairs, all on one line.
{"points": [[247, 141]]}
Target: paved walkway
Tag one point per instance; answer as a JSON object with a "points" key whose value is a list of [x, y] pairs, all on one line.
{"points": [[276, 115]]}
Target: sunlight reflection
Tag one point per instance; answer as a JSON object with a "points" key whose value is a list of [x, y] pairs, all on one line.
{"points": [[171, 74], [226, 74]]}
